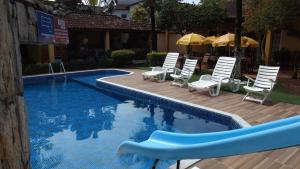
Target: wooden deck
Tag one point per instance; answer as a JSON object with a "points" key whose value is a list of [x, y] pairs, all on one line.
{"points": [[253, 113]]}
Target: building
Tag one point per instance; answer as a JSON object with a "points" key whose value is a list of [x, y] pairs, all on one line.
{"points": [[124, 7], [286, 41], [38, 41], [93, 34]]}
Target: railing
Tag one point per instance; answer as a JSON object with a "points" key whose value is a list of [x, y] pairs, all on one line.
{"points": [[50, 68], [61, 67]]}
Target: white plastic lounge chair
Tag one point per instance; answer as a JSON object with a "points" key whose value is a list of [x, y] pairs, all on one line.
{"points": [[159, 73], [263, 84], [181, 77], [221, 75]]}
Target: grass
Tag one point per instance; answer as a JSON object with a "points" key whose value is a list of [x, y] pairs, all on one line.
{"points": [[279, 94]]}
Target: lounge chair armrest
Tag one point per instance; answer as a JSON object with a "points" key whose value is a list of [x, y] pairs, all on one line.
{"points": [[157, 68], [205, 77], [177, 70], [221, 79], [173, 69], [273, 82], [249, 80]]}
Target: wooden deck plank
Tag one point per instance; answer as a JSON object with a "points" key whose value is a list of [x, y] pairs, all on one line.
{"points": [[253, 113]]}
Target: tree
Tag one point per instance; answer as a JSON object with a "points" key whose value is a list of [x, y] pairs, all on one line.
{"points": [[212, 14], [264, 15], [187, 17], [140, 14], [237, 40], [14, 147], [152, 5]]}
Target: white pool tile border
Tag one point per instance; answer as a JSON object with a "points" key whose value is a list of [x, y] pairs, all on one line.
{"points": [[235, 117]]}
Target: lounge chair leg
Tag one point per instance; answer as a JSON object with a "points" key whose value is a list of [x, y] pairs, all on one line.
{"points": [[155, 163], [178, 164], [214, 91], [246, 96]]}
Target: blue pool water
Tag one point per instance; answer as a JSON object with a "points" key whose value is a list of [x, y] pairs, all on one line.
{"points": [[73, 125]]}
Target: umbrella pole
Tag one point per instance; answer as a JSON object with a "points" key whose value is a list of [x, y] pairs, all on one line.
{"points": [[229, 50]]}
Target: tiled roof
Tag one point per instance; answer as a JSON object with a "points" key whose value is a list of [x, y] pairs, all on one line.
{"points": [[102, 21]]}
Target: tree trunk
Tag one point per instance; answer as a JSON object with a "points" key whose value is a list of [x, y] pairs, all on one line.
{"points": [[260, 50], [153, 27], [14, 147], [238, 30]]}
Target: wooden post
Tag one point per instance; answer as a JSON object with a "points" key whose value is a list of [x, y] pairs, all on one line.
{"points": [[107, 40], [237, 41], [150, 40], [267, 47], [14, 147], [167, 40], [51, 53]]}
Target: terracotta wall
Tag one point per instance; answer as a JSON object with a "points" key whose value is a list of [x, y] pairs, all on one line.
{"points": [[290, 40], [172, 47]]}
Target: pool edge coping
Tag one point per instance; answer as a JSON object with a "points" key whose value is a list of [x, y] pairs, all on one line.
{"points": [[236, 118]]}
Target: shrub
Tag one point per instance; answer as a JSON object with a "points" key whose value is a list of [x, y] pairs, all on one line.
{"points": [[40, 68], [156, 58], [80, 64], [122, 57], [140, 53]]}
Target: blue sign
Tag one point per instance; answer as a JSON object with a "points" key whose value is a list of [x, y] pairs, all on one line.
{"points": [[45, 27]]}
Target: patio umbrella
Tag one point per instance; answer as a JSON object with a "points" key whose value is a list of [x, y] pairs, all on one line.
{"points": [[229, 38], [209, 40], [224, 40], [191, 39], [249, 42]]}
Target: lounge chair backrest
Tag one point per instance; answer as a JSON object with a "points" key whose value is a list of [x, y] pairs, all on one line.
{"points": [[189, 67], [223, 68], [265, 73], [170, 61]]}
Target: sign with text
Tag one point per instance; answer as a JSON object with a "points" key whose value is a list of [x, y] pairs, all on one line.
{"points": [[45, 27], [60, 31]]}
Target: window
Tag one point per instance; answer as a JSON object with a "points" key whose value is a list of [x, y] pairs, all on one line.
{"points": [[123, 15]]}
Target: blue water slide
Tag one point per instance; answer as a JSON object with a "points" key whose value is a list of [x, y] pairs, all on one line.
{"points": [[175, 146]]}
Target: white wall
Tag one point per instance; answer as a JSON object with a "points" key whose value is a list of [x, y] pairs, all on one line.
{"points": [[120, 12]]}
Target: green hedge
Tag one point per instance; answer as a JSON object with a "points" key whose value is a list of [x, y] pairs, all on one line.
{"points": [[31, 69], [140, 54], [122, 57], [156, 58]]}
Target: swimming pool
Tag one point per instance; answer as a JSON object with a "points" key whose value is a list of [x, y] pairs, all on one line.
{"points": [[75, 123]]}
